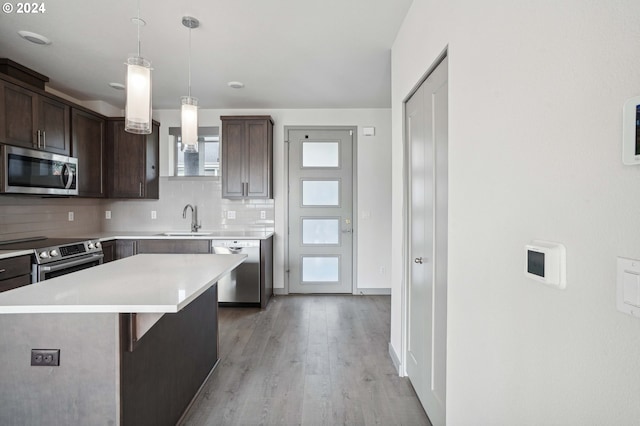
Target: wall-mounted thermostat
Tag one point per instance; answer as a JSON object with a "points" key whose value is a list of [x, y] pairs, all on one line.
{"points": [[546, 262], [631, 131]]}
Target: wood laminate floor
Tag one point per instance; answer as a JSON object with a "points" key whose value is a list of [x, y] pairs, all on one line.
{"points": [[307, 360]]}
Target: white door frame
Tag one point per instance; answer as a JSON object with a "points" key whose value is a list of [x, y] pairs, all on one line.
{"points": [[405, 217], [354, 219]]}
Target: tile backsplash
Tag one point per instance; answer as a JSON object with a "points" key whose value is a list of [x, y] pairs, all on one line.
{"points": [[175, 194], [26, 216], [30, 216]]}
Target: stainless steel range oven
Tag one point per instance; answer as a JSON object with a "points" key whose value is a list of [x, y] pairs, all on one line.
{"points": [[53, 257]]}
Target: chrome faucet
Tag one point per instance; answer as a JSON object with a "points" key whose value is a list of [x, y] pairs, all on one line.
{"points": [[194, 217]]}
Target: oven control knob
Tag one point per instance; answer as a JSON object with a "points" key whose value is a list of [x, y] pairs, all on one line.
{"points": [[44, 255], [54, 253], [91, 246], [98, 244]]}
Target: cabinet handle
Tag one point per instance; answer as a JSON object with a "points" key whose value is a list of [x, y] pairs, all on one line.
{"points": [[38, 139], [140, 190], [245, 189], [44, 139], [2, 270]]}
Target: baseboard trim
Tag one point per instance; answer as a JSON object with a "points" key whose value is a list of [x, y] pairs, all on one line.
{"points": [[279, 292], [394, 358], [374, 291]]}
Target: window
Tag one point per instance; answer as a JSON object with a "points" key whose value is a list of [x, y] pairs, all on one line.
{"points": [[203, 162]]}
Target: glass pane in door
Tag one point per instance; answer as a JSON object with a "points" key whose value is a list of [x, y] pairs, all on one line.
{"points": [[321, 231], [320, 269], [321, 193], [320, 154]]}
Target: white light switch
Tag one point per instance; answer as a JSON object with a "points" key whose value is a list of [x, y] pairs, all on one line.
{"points": [[628, 286]]}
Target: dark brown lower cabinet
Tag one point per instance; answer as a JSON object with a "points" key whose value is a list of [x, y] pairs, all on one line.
{"points": [[174, 246], [15, 272], [125, 248], [109, 251], [169, 363]]}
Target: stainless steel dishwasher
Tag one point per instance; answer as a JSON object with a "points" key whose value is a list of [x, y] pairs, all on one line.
{"points": [[242, 285]]}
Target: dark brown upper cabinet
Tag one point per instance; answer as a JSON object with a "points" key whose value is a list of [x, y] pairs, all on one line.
{"points": [[88, 136], [132, 162], [32, 120], [247, 156]]}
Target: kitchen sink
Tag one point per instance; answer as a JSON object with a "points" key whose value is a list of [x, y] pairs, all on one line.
{"points": [[186, 234]]}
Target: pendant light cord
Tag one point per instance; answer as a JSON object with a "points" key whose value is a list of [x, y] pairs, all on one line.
{"points": [[138, 28], [189, 62]]}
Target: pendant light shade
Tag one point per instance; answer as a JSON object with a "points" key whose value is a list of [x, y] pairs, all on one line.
{"points": [[190, 122], [189, 103], [138, 107]]}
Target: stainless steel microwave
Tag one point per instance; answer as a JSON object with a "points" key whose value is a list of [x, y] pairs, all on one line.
{"points": [[26, 171]]}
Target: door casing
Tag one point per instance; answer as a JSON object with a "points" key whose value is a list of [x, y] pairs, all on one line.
{"points": [[406, 215], [354, 219]]}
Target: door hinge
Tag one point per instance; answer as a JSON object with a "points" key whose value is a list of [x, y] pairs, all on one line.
{"points": [[350, 132]]}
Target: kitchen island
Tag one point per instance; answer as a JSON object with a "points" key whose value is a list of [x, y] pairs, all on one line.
{"points": [[137, 338]]}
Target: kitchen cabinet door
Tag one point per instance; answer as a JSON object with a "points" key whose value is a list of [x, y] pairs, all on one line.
{"points": [[247, 157], [125, 248], [132, 162], [15, 272], [53, 125], [33, 121], [109, 251], [88, 145], [18, 120], [174, 246]]}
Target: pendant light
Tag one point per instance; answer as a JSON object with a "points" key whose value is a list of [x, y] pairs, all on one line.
{"points": [[138, 105], [189, 110]]}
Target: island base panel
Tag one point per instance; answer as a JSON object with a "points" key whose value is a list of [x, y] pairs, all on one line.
{"points": [[169, 363]]}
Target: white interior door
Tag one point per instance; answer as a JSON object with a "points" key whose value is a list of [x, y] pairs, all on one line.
{"points": [[320, 210], [427, 138]]}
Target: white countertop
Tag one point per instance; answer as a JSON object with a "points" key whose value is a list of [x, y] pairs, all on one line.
{"points": [[201, 235], [5, 254], [151, 283]]}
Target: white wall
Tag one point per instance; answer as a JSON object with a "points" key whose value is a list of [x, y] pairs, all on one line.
{"points": [[536, 90], [373, 177]]}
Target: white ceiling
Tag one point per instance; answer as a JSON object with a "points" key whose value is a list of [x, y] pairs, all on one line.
{"points": [[288, 53]]}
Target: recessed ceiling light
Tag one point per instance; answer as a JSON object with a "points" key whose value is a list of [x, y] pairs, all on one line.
{"points": [[117, 86], [34, 38], [235, 84]]}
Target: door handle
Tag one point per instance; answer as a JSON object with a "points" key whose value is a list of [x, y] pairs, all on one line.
{"points": [[418, 260]]}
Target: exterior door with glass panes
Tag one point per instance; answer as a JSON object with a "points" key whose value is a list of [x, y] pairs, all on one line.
{"points": [[320, 210]]}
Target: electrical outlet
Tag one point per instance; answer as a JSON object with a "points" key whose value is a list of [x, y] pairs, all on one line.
{"points": [[45, 357], [231, 214], [263, 214], [107, 214], [71, 216], [154, 215], [382, 270]]}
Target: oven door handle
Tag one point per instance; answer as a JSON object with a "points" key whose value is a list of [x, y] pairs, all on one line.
{"points": [[71, 263]]}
